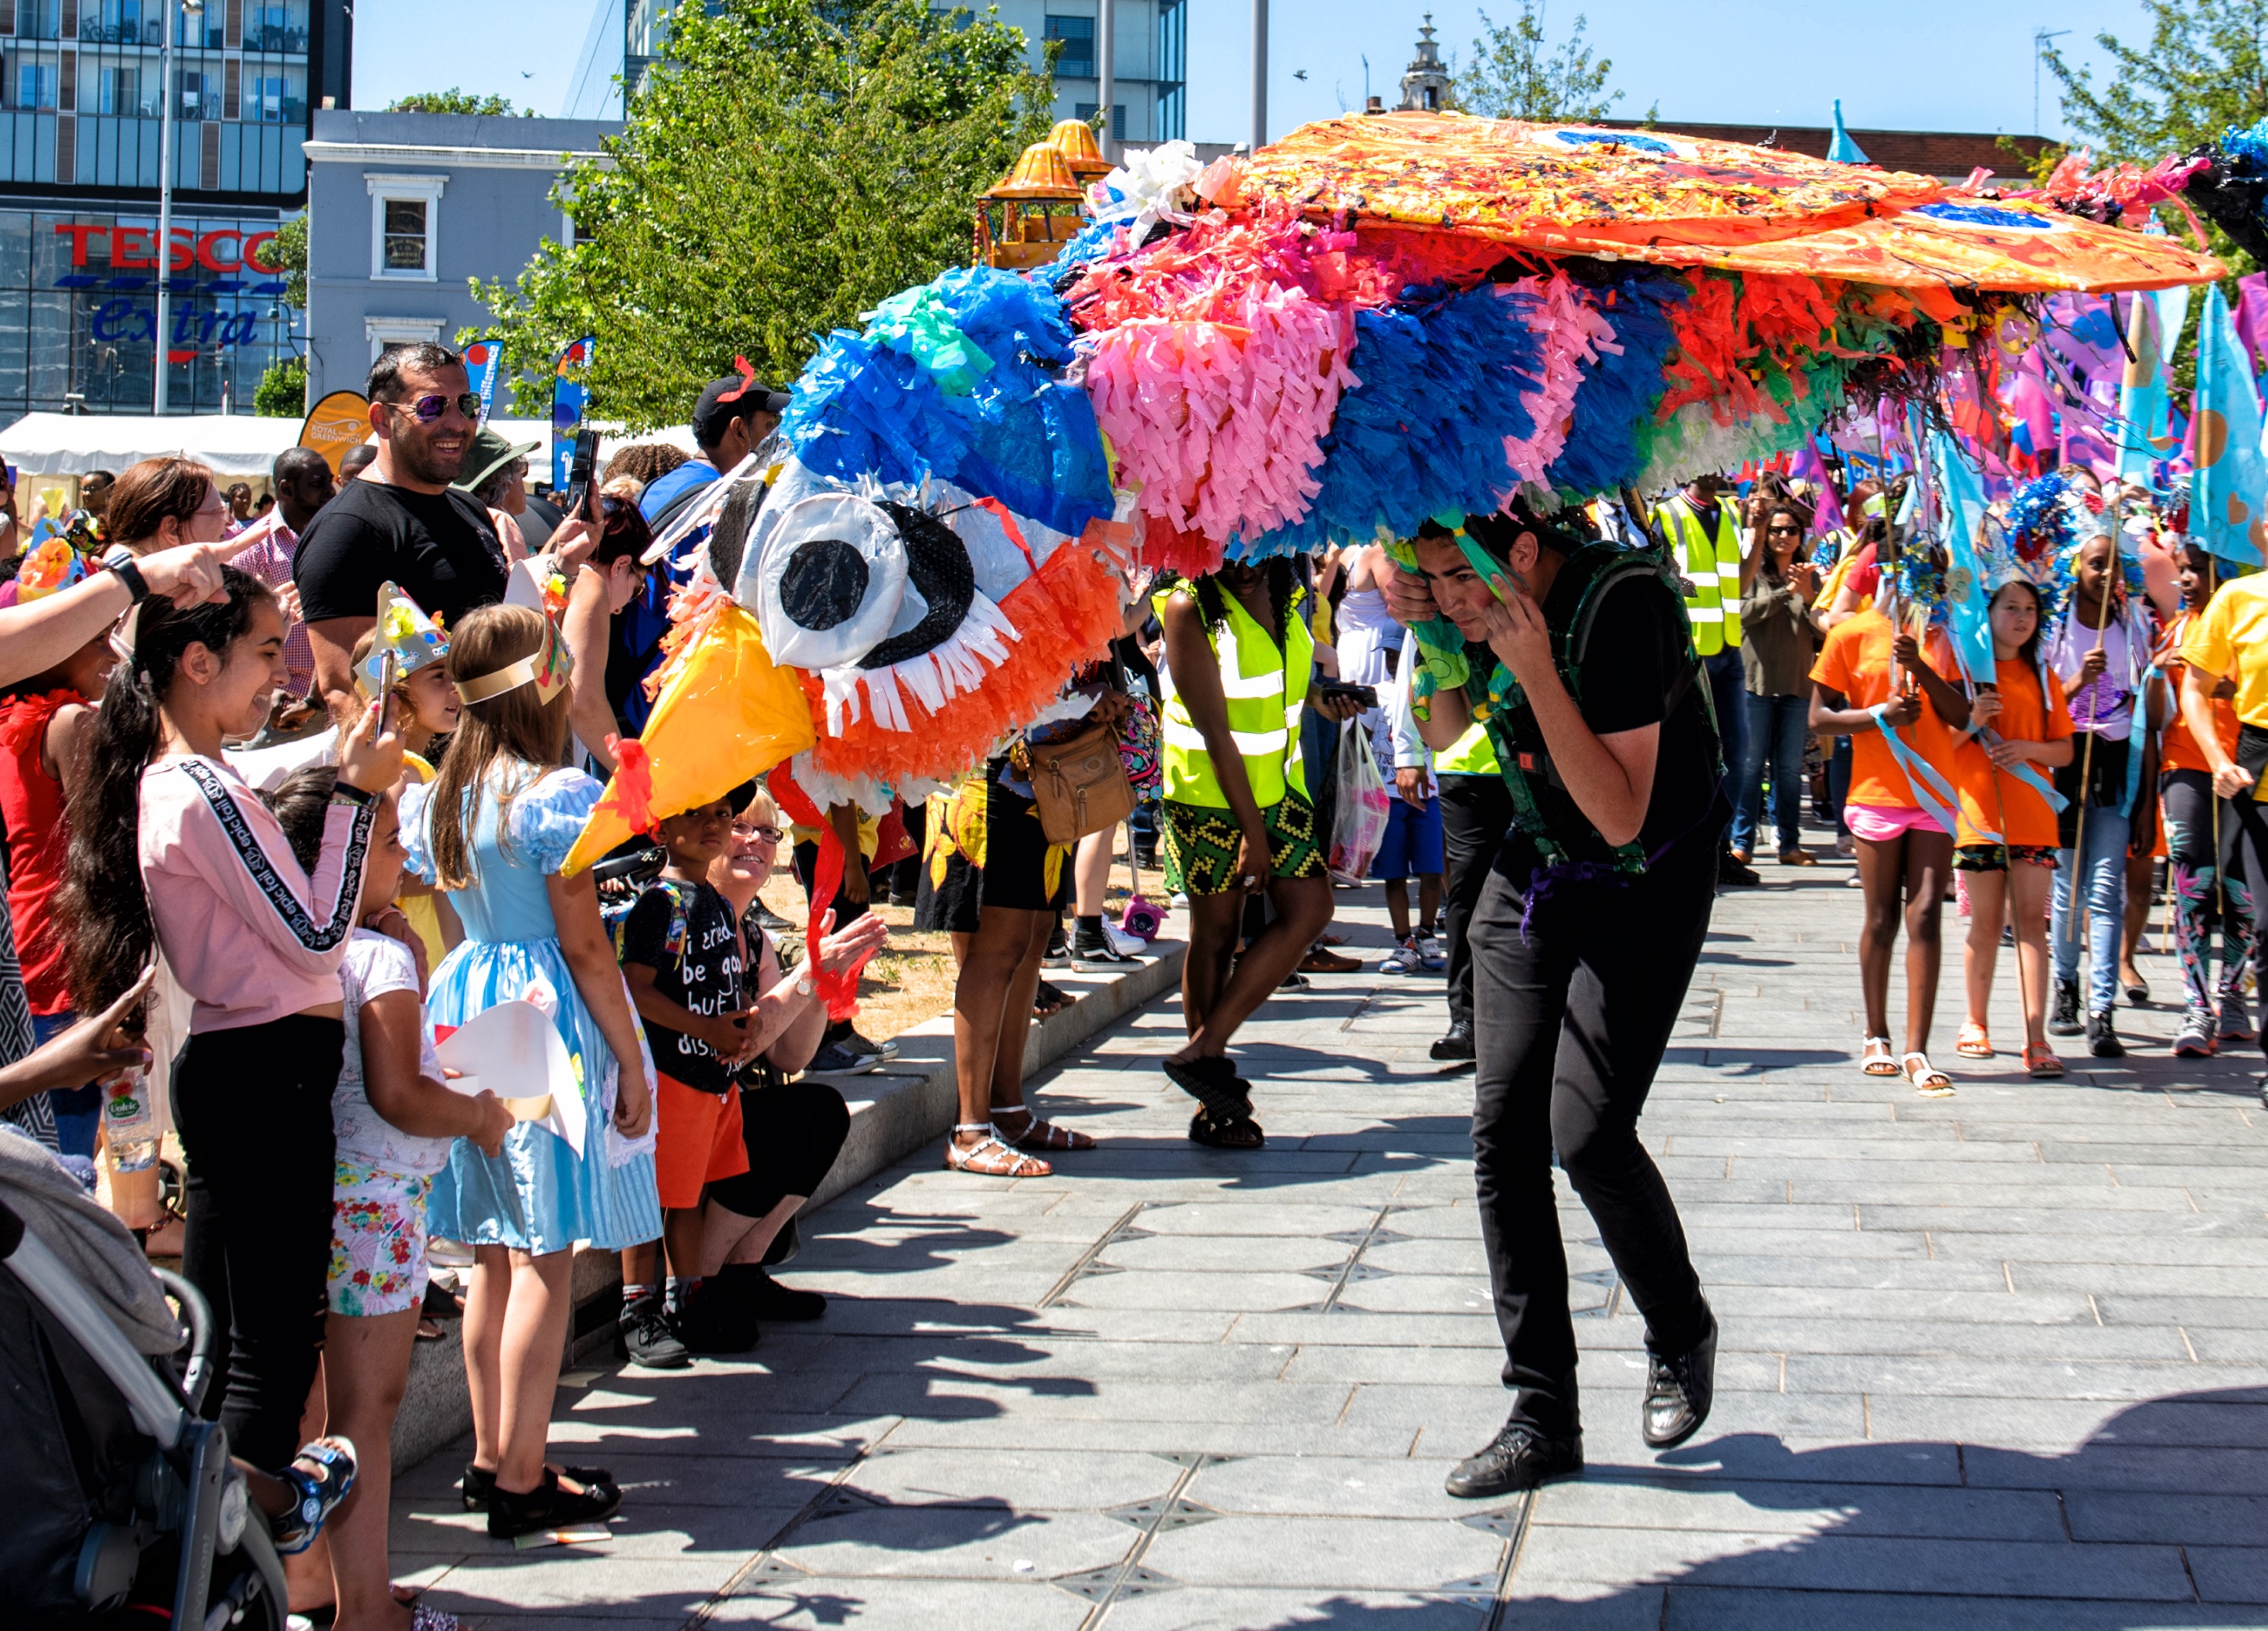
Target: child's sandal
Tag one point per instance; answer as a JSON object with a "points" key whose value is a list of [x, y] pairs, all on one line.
{"points": [[1874, 1057], [2040, 1060], [1927, 1078], [316, 1492], [989, 1156], [1974, 1043]]}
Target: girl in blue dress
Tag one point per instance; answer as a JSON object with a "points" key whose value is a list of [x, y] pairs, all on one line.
{"points": [[491, 830]]}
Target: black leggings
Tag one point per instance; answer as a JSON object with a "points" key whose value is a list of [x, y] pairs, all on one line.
{"points": [[1477, 811], [253, 1108], [1574, 1015], [793, 1131]]}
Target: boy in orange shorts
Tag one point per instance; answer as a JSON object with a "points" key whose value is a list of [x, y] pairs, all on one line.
{"points": [[680, 953]]}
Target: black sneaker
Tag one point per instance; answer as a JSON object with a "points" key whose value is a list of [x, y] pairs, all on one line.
{"points": [[1679, 1389], [719, 1320], [2103, 1040], [860, 1047], [836, 1060], [1099, 958], [2063, 1019], [1456, 1046], [1730, 870], [547, 1506], [1058, 952], [650, 1336], [1519, 1456], [768, 1299]]}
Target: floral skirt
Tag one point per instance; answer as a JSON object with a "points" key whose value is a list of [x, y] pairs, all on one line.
{"points": [[378, 1240]]}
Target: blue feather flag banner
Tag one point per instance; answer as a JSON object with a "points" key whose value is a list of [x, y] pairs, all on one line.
{"points": [[1961, 498], [2144, 404], [2230, 488]]}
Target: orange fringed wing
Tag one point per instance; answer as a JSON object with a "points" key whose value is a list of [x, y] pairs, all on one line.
{"points": [[725, 713], [1064, 614], [1567, 190]]}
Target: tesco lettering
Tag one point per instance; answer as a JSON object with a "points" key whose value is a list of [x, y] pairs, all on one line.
{"points": [[135, 248]]}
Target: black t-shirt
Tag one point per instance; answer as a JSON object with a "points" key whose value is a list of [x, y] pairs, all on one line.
{"points": [[1638, 650], [439, 546], [684, 933]]}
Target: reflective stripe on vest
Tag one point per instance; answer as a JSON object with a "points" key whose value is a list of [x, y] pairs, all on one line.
{"points": [[1712, 567], [1265, 692], [1470, 754]]}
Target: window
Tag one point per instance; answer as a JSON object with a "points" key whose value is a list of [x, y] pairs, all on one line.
{"points": [[35, 85], [1077, 36], [1173, 58], [120, 91], [267, 96], [1085, 110], [382, 332], [404, 216], [405, 235], [200, 94]]}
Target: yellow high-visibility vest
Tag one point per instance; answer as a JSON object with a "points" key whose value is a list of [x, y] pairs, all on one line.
{"points": [[1265, 690], [1470, 754], [1712, 565]]}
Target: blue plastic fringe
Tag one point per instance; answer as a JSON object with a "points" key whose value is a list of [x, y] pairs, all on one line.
{"points": [[1017, 434], [1424, 431], [1616, 403]]}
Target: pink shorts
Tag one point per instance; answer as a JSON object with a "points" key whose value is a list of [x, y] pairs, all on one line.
{"points": [[1882, 823]]}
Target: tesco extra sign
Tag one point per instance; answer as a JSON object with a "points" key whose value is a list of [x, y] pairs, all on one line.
{"points": [[135, 248]]}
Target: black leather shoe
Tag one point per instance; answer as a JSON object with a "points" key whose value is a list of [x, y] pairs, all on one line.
{"points": [[1679, 1389], [1456, 1046], [2064, 1020], [769, 1300], [1519, 1456], [2103, 1039]]}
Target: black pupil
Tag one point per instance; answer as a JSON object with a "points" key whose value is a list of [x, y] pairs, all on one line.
{"points": [[825, 583]]}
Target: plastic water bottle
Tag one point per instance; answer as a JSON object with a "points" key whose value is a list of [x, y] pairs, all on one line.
{"points": [[129, 1139], [128, 1127]]}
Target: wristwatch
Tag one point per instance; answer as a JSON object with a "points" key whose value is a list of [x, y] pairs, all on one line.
{"points": [[803, 986], [122, 568]]}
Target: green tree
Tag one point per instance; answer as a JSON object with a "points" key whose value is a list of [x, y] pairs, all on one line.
{"points": [[287, 253], [1517, 73], [283, 392], [455, 102], [796, 162], [2205, 69]]}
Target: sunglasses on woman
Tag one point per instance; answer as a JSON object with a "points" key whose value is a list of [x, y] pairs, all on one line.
{"points": [[426, 409], [1790, 531]]}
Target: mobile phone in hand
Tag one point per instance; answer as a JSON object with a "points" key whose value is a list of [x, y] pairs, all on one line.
{"points": [[1364, 697], [582, 499], [386, 677]]}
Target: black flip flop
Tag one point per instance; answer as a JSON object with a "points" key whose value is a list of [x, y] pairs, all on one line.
{"points": [[1213, 1083]]}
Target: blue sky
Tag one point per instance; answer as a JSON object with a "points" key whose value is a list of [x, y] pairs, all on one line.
{"points": [[1915, 64]]}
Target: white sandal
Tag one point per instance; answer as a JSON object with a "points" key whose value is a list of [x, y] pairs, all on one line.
{"points": [[1874, 1057], [1928, 1080], [1008, 1162]]}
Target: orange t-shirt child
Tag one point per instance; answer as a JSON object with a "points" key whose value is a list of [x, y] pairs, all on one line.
{"points": [[2179, 751], [1999, 807], [1883, 803]]}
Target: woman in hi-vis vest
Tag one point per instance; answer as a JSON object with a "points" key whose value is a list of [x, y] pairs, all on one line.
{"points": [[1238, 676]]}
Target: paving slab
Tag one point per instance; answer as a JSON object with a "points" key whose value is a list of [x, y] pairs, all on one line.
{"points": [[1997, 1361]]}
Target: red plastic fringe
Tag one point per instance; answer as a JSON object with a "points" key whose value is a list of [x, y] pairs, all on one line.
{"points": [[631, 794]]}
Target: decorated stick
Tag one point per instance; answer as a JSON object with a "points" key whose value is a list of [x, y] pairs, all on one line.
{"points": [[2086, 754]]}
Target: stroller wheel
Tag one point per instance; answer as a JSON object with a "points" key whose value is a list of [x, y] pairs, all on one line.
{"points": [[172, 1189]]}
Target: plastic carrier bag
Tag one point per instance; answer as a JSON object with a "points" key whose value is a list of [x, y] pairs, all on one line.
{"points": [[1363, 802]]}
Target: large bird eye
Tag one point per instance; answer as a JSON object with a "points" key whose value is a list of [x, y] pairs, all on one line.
{"points": [[831, 581]]}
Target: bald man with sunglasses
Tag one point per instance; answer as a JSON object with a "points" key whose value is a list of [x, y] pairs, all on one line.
{"points": [[401, 523]]}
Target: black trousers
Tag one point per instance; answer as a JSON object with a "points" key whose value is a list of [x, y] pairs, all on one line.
{"points": [[253, 1109], [793, 1131], [1573, 1018], [1477, 811]]}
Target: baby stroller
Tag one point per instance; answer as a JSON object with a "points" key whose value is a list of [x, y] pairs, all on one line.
{"points": [[121, 1506]]}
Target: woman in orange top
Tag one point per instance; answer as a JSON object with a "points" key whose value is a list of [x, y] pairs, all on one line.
{"points": [[1905, 841], [2202, 890], [2006, 840]]}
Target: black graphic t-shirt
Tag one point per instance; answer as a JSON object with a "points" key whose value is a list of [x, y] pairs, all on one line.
{"points": [[684, 933]]}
